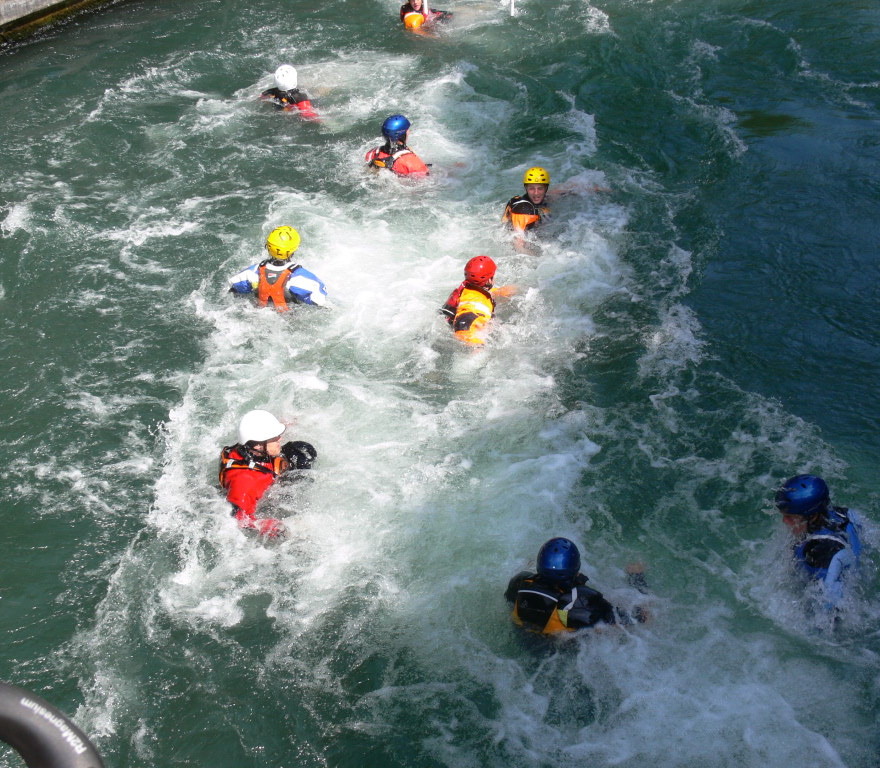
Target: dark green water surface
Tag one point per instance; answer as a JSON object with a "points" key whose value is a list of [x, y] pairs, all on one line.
{"points": [[694, 332]]}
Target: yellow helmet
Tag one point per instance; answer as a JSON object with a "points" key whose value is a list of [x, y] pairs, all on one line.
{"points": [[536, 175], [282, 243], [413, 20]]}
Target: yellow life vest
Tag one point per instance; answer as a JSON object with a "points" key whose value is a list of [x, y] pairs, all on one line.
{"points": [[472, 316]]}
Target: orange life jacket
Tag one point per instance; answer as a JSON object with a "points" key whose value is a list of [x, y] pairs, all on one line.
{"points": [[271, 287], [522, 214]]}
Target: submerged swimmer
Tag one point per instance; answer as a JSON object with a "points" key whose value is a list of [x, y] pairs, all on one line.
{"points": [[394, 155], [557, 598], [254, 463], [470, 307], [415, 14], [827, 543], [277, 280], [286, 96]]}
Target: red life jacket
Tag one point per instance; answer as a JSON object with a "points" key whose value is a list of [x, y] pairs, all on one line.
{"points": [[403, 162], [247, 478]]}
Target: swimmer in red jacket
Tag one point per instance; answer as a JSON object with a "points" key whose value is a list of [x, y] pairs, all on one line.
{"points": [[254, 463], [395, 155], [471, 306], [286, 96]]}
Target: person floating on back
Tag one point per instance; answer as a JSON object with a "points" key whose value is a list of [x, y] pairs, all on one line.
{"points": [[470, 307], [278, 281], [286, 96], [827, 544], [254, 463], [416, 14], [557, 598], [394, 155]]}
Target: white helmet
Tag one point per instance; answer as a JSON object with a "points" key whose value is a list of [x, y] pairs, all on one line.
{"points": [[259, 426], [285, 77]]}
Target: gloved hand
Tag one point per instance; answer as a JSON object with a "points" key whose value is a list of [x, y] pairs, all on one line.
{"points": [[299, 454], [268, 526]]}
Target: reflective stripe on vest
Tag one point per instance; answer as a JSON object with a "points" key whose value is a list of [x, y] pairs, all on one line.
{"points": [[273, 466]]}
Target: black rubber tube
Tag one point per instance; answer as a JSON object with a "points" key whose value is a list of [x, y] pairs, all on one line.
{"points": [[42, 734]]}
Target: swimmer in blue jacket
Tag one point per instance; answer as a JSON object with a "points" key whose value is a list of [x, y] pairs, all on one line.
{"points": [[827, 542], [278, 281]]}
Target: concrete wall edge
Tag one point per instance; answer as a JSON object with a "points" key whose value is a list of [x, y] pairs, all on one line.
{"points": [[41, 13]]}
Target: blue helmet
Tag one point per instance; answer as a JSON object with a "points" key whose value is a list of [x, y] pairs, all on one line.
{"points": [[804, 495], [559, 560], [395, 127]]}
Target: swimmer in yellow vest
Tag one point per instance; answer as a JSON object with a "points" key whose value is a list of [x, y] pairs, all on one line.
{"points": [[557, 598], [470, 307]]}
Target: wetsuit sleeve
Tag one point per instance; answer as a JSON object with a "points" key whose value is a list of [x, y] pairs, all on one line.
{"points": [[245, 281], [590, 608], [304, 286], [451, 305], [514, 585], [833, 582]]}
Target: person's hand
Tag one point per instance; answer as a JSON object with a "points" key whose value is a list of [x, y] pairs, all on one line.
{"points": [[270, 527], [635, 576]]}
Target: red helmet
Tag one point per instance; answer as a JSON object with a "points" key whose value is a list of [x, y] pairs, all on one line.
{"points": [[479, 270]]}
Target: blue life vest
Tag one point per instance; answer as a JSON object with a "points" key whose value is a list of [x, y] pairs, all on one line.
{"points": [[828, 553]]}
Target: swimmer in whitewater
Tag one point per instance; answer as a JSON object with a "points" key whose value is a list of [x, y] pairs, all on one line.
{"points": [[254, 463], [470, 307], [287, 96], [557, 598], [416, 14], [526, 212], [827, 544], [394, 155], [278, 280]]}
